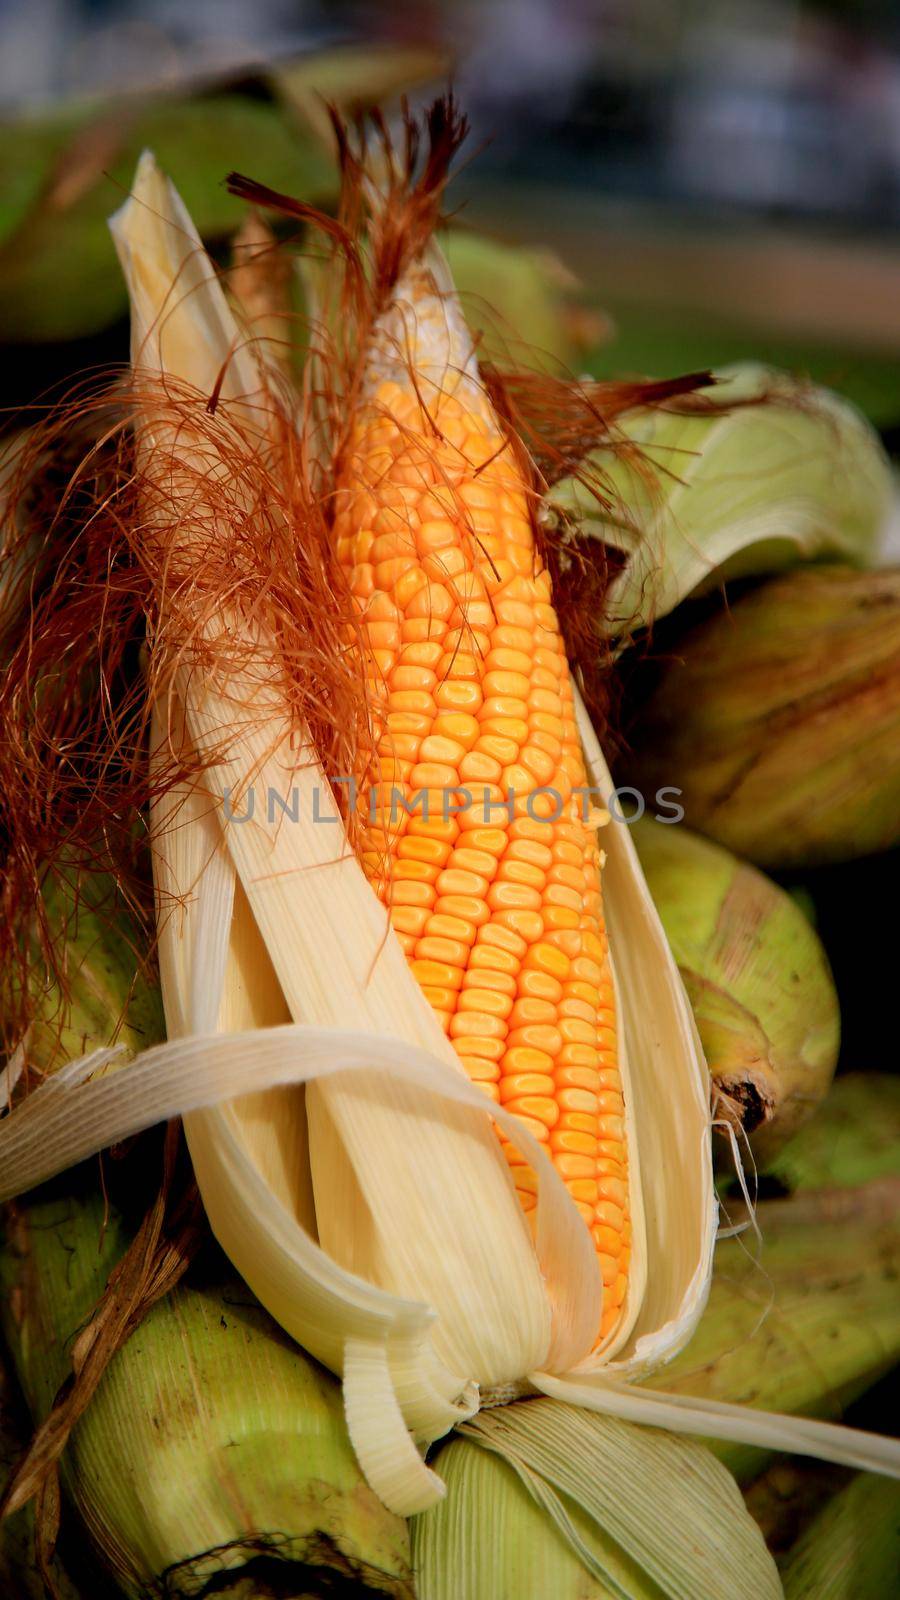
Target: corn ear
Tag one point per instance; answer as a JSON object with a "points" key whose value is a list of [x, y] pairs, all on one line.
{"points": [[819, 486], [780, 720], [447, 1297], [854, 1138], [213, 1448], [851, 1551], [490, 1536], [642, 1512], [485, 1265], [806, 1323], [757, 978]]}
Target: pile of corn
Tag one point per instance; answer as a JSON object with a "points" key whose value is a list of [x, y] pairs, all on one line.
{"points": [[449, 1061]]}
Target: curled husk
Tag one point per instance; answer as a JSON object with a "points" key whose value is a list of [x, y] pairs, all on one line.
{"points": [[763, 475], [779, 719], [757, 978]]}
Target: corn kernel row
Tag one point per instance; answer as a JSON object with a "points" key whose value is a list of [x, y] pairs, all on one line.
{"points": [[497, 906]]}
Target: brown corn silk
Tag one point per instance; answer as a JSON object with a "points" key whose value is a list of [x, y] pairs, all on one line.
{"points": [[492, 876]]}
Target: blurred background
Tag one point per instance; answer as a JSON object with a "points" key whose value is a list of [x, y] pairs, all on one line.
{"points": [[723, 176]]}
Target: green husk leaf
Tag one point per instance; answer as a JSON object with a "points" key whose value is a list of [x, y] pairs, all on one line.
{"points": [[757, 978], [807, 1322], [853, 1139], [648, 1513], [214, 1451], [106, 993], [794, 475], [779, 720], [59, 278], [852, 1549], [520, 303], [491, 1536]]}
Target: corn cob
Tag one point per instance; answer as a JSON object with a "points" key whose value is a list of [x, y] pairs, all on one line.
{"points": [[779, 719], [522, 1475], [497, 904]]}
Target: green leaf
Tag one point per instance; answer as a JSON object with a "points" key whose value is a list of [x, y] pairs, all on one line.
{"points": [[793, 475], [59, 278], [516, 299]]}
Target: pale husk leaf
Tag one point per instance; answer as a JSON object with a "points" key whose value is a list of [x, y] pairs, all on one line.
{"points": [[663, 1503], [669, 1095]]}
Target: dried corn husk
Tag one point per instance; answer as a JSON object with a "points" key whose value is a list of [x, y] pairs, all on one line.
{"points": [[789, 474], [492, 1268], [756, 976], [779, 720], [549, 1500], [213, 1449]]}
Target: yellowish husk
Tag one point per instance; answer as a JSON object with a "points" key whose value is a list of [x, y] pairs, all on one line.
{"points": [[446, 1295]]}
